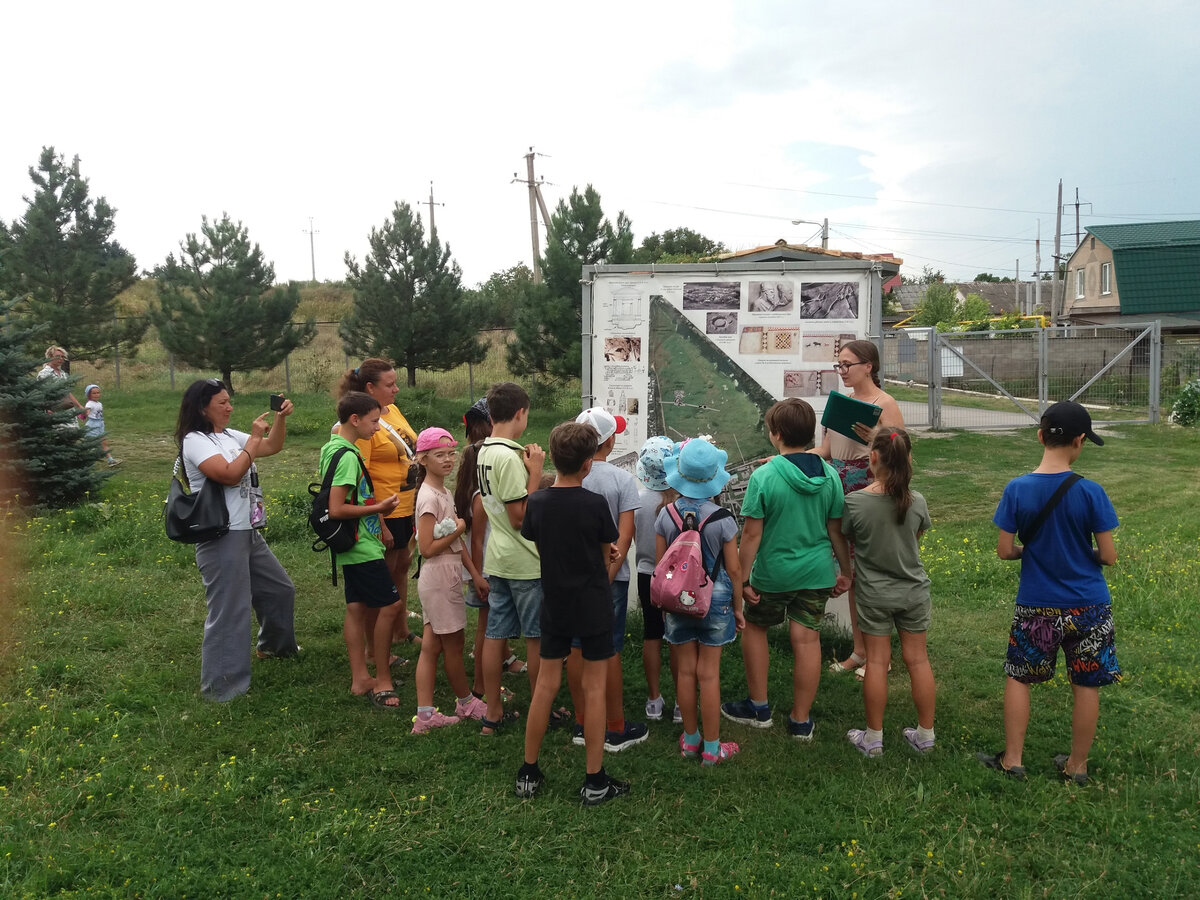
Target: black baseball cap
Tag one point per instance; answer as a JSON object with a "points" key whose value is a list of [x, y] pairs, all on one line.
{"points": [[1069, 419]]}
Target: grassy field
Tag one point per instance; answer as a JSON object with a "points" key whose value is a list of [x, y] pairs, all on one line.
{"points": [[117, 780]]}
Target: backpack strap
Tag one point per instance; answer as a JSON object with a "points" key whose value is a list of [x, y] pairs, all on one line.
{"points": [[327, 485], [1045, 511], [715, 516]]}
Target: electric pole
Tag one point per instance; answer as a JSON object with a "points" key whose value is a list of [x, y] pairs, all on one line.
{"points": [[312, 252], [1055, 292], [536, 202], [1037, 269], [431, 205]]}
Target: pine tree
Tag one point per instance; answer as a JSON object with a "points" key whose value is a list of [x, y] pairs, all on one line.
{"points": [[409, 304], [45, 458], [220, 308], [63, 267], [548, 338]]}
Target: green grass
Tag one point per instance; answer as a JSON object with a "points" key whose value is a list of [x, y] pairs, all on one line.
{"points": [[117, 780]]}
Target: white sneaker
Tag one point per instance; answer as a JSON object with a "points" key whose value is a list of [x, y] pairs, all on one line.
{"points": [[677, 715], [655, 707]]}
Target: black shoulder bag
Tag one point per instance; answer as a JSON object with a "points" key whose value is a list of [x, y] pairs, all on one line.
{"points": [[1040, 519], [193, 518]]}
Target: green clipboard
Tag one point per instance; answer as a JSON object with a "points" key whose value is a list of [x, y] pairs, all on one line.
{"points": [[842, 412]]}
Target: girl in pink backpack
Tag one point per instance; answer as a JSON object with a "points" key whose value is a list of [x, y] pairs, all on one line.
{"points": [[696, 470]]}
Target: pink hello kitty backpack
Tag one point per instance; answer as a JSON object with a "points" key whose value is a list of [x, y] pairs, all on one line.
{"points": [[680, 583]]}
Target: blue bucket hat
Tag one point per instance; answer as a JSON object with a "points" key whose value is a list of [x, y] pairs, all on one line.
{"points": [[697, 469], [650, 471]]}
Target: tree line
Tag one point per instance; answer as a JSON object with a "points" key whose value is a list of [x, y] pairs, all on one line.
{"points": [[217, 306]]}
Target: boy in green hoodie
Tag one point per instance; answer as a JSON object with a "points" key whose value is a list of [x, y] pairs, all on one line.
{"points": [[793, 531]]}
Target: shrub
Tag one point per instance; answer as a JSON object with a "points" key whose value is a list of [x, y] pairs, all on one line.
{"points": [[1186, 410]]}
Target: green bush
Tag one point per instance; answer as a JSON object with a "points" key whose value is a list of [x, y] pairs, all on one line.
{"points": [[1186, 410]]}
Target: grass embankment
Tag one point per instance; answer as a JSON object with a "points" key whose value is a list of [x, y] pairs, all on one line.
{"points": [[117, 780]]}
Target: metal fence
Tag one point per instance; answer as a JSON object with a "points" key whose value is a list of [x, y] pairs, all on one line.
{"points": [[317, 368], [1001, 379]]}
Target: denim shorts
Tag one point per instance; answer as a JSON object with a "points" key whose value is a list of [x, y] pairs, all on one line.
{"points": [[716, 629], [1084, 633], [472, 597], [515, 607]]}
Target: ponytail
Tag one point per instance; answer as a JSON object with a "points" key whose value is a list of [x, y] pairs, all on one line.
{"points": [[894, 450]]}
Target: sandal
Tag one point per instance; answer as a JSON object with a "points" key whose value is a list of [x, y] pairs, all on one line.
{"points": [[856, 661], [996, 761], [514, 666], [560, 717], [379, 699], [496, 727], [861, 672]]}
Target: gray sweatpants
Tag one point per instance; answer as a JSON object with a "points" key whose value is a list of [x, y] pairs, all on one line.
{"points": [[241, 573]]}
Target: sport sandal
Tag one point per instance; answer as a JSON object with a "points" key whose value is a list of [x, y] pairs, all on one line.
{"points": [[868, 748], [996, 761]]}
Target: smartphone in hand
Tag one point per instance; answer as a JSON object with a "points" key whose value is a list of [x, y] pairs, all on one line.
{"points": [[276, 402]]}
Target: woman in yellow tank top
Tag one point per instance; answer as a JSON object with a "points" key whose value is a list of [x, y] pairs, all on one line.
{"points": [[390, 462]]}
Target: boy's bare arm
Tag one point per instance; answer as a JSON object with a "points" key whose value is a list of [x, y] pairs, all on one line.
{"points": [[1106, 550], [621, 548], [1006, 548], [751, 539], [516, 512], [833, 527], [340, 509]]}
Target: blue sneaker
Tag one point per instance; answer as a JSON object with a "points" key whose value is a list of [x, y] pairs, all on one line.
{"points": [[744, 712], [634, 733], [803, 731]]}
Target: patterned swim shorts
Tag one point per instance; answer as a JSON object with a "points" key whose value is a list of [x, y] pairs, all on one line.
{"points": [[1084, 633]]}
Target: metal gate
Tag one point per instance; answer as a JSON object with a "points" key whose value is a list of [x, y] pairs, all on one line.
{"points": [[1005, 379]]}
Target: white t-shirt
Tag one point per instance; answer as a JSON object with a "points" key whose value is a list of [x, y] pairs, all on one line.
{"points": [[197, 447]]}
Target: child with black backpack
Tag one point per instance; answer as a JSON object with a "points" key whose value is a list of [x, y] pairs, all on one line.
{"points": [[368, 583], [696, 471]]}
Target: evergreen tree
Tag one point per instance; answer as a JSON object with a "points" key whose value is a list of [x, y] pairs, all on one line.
{"points": [[220, 308], [409, 304], [45, 458], [63, 267], [676, 245], [549, 324]]}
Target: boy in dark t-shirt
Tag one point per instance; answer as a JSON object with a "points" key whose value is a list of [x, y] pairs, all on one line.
{"points": [[574, 531]]}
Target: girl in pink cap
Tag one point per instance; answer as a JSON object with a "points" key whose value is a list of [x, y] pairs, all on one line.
{"points": [[443, 555]]}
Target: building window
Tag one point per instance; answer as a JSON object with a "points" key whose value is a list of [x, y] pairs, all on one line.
{"points": [[1079, 282], [1105, 278]]}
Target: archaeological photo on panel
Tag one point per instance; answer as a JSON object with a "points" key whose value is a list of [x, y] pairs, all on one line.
{"points": [[829, 300]]}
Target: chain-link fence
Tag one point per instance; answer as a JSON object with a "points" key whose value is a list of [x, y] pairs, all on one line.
{"points": [[1005, 378]]}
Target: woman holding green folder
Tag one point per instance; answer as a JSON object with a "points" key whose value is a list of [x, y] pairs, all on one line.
{"points": [[858, 366]]}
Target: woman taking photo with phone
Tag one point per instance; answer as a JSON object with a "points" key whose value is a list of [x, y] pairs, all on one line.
{"points": [[239, 571]]}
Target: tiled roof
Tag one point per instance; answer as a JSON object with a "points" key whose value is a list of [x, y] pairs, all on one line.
{"points": [[1148, 234]]}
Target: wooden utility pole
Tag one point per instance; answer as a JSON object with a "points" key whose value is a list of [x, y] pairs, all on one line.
{"points": [[431, 205], [536, 202], [312, 252]]}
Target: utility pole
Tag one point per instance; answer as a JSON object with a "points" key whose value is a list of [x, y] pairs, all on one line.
{"points": [[536, 202], [431, 205], [312, 252], [1037, 269], [1055, 285]]}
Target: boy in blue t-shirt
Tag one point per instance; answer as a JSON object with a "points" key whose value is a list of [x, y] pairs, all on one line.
{"points": [[369, 585], [1062, 599]]}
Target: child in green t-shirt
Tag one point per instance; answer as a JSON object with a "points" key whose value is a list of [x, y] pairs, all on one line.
{"points": [[793, 510], [368, 582]]}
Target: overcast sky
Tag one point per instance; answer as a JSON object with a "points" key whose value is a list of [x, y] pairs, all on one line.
{"points": [[938, 131]]}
